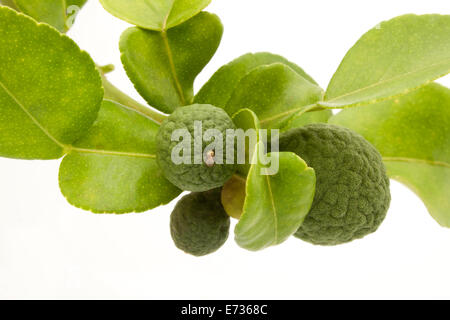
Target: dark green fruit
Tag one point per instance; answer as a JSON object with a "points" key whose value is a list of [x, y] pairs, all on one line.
{"points": [[193, 175], [199, 224], [352, 191]]}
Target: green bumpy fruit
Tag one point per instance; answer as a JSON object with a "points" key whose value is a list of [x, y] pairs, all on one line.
{"points": [[352, 191], [190, 175], [199, 224]]}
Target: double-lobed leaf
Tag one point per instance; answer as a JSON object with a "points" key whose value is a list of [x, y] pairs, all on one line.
{"points": [[219, 89], [158, 15], [50, 96], [275, 205], [413, 135], [392, 59], [113, 169], [58, 13], [50, 90], [275, 88], [275, 93], [164, 65]]}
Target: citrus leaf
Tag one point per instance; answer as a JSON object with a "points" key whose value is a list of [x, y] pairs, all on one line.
{"points": [[9, 3], [233, 196], [158, 15], [50, 91], [113, 168], [233, 192], [275, 205], [163, 66], [302, 119], [57, 13], [394, 58], [413, 135], [218, 90], [246, 119], [275, 93]]}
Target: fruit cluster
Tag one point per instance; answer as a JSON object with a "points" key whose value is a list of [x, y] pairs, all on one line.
{"points": [[322, 177]]}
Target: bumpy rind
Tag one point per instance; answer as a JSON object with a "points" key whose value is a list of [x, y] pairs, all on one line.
{"points": [[199, 225], [352, 192], [194, 177]]}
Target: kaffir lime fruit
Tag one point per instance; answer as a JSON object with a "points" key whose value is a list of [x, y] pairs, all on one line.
{"points": [[199, 224], [352, 191], [192, 148]]}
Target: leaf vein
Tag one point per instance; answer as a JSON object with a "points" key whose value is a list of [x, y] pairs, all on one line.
{"points": [[390, 80], [275, 217], [32, 118], [289, 112], [414, 160], [115, 153]]}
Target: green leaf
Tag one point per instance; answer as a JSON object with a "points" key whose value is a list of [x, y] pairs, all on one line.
{"points": [[158, 15], [50, 91], [113, 168], [394, 58], [163, 66], [9, 3], [233, 196], [275, 93], [303, 119], [233, 192], [218, 90], [246, 119], [58, 13], [413, 135], [275, 205]]}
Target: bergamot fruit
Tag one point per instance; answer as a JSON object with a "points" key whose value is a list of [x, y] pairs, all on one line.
{"points": [[192, 148], [352, 191], [199, 224]]}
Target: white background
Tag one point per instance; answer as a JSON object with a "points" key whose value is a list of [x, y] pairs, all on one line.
{"points": [[49, 249]]}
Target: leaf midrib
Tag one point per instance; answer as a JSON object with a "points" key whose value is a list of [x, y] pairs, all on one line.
{"points": [[289, 112], [169, 53], [66, 147], [274, 209], [64, 6], [173, 69], [28, 113], [418, 161], [166, 18], [380, 83], [114, 153]]}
